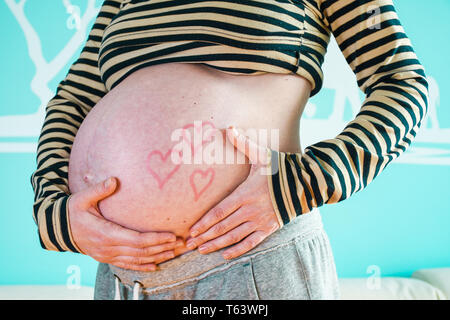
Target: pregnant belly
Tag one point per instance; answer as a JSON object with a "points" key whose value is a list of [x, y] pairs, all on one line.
{"points": [[129, 135]]}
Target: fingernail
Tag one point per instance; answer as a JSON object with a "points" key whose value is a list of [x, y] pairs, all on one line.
{"points": [[203, 248], [226, 255], [179, 244], [108, 183], [190, 245], [194, 233]]}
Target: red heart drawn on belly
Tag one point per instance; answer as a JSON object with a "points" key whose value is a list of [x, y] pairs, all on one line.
{"points": [[200, 181], [160, 168], [205, 131]]}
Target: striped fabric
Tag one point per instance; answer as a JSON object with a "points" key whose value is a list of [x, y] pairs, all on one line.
{"points": [[246, 37], [75, 96], [380, 54]]}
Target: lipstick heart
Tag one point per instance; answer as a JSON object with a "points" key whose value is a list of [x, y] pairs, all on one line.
{"points": [[198, 131], [165, 169], [200, 181]]}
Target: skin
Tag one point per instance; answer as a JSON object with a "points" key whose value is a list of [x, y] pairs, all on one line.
{"points": [[244, 218], [128, 136], [209, 215], [111, 243]]}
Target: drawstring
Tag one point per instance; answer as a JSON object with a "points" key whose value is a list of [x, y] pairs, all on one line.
{"points": [[136, 288], [117, 289]]}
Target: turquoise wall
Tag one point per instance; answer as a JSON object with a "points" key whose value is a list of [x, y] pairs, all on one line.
{"points": [[398, 224]]}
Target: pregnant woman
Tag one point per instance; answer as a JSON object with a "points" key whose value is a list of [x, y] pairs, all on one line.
{"points": [[165, 74]]}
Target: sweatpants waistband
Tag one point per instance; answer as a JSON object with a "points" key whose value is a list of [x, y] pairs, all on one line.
{"points": [[193, 265]]}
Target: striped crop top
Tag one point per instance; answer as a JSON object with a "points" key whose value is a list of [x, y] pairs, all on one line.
{"points": [[243, 37], [246, 37]]}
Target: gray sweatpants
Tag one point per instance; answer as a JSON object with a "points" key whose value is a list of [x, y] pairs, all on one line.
{"points": [[296, 262]]}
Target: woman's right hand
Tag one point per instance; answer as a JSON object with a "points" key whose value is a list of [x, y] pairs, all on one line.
{"points": [[111, 243]]}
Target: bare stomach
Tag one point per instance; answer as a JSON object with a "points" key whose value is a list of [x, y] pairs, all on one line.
{"points": [[131, 134]]}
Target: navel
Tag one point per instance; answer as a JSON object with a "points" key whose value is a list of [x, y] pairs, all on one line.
{"points": [[87, 178]]}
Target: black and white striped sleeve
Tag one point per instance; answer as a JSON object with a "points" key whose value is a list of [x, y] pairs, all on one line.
{"points": [[375, 45], [81, 89]]}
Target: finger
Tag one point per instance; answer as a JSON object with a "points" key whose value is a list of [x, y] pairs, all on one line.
{"points": [[117, 235], [245, 245], [144, 260], [91, 195], [220, 228], [226, 207], [136, 267], [142, 252], [242, 143], [161, 257], [231, 237]]}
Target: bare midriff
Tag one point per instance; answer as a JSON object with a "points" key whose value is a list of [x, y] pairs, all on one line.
{"points": [[128, 135]]}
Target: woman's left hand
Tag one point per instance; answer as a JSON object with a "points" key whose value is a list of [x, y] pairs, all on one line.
{"points": [[246, 216]]}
